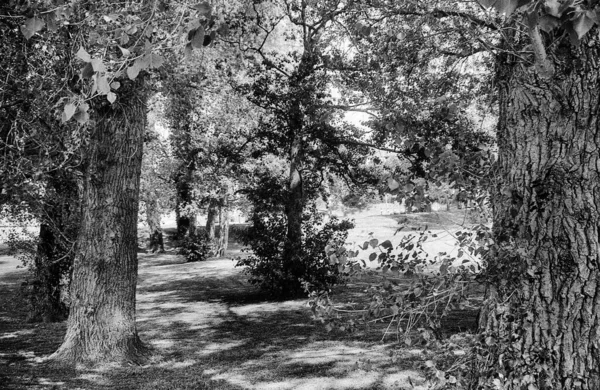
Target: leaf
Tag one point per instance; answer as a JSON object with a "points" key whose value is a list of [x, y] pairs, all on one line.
{"points": [[81, 117], [548, 23], [124, 38], [102, 85], [98, 65], [156, 61], [372, 256], [583, 24], [115, 85], [392, 184], [374, 242], [111, 97], [387, 244], [125, 52], [203, 8], [133, 71], [31, 26], [197, 38], [87, 71], [553, 8], [69, 110], [83, 55]]}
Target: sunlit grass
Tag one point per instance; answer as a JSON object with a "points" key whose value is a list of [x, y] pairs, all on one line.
{"points": [[210, 329]]}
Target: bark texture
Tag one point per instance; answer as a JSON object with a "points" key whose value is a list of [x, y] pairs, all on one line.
{"points": [[542, 322], [101, 325]]}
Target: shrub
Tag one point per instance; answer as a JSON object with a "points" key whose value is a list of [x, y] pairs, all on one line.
{"points": [[194, 248], [309, 267]]}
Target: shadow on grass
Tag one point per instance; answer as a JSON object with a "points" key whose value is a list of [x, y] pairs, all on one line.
{"points": [[209, 329]]}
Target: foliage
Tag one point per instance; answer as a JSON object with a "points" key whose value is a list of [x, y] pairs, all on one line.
{"points": [[308, 269], [415, 291], [268, 265], [194, 248]]}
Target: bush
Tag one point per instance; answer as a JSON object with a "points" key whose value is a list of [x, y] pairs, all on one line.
{"points": [[194, 248], [308, 269]]}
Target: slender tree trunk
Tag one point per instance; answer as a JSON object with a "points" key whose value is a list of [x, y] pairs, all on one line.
{"points": [[223, 226], [211, 220], [186, 221], [295, 201], [101, 325], [153, 219], [542, 317]]}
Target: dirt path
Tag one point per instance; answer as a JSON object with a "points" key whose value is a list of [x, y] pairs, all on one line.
{"points": [[210, 330]]}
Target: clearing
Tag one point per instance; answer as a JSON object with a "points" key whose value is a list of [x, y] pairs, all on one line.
{"points": [[210, 329]]}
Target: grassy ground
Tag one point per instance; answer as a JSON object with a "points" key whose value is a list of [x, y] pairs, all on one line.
{"points": [[211, 330]]}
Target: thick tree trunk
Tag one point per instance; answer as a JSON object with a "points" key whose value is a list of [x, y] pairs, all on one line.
{"points": [[542, 317], [101, 325], [153, 219]]}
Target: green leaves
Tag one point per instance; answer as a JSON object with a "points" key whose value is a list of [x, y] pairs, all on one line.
{"points": [[32, 26]]}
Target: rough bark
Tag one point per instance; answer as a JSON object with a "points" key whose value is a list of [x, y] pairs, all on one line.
{"points": [[542, 317], [153, 217], [101, 325]]}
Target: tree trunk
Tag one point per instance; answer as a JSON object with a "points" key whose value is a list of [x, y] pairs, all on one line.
{"points": [[51, 265], [101, 325], [542, 317], [59, 220], [211, 220], [186, 220], [295, 201], [223, 226], [153, 219]]}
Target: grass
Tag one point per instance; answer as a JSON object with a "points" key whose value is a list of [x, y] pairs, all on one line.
{"points": [[210, 329]]}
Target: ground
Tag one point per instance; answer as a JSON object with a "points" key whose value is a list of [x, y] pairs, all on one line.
{"points": [[210, 329]]}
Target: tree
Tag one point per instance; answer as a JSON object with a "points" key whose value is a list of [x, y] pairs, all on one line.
{"points": [[121, 46], [539, 324], [40, 163], [541, 314], [107, 245], [290, 75]]}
